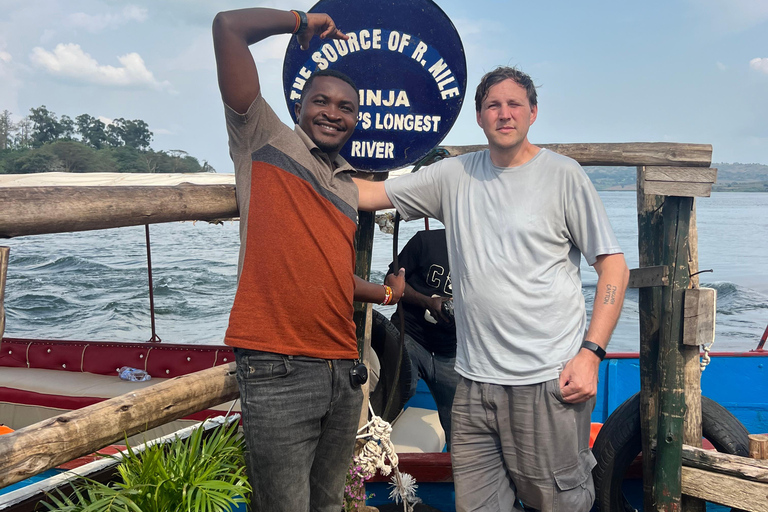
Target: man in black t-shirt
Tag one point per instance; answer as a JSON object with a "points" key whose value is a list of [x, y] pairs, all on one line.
{"points": [[430, 331]]}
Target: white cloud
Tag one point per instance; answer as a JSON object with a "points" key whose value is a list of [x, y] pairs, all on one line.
{"points": [[99, 22], [70, 61], [5, 56], [721, 66], [759, 64], [107, 121]]}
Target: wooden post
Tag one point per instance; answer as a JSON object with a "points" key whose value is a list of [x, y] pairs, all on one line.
{"points": [[667, 479], [44, 445], [758, 446], [692, 424], [363, 312], [3, 272], [650, 229]]}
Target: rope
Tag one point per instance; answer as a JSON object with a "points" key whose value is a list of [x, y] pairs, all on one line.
{"points": [[378, 454]]}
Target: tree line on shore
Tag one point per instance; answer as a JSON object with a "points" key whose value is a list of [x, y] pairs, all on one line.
{"points": [[44, 142]]}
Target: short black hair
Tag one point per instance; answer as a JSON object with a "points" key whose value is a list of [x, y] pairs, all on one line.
{"points": [[327, 72], [500, 74]]}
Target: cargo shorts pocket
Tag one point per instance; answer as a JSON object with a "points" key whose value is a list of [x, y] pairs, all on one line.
{"points": [[574, 488]]}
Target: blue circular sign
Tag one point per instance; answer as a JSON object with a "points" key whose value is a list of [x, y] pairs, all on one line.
{"points": [[406, 58]]}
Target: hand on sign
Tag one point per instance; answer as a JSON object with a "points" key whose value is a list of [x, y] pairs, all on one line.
{"points": [[319, 25]]}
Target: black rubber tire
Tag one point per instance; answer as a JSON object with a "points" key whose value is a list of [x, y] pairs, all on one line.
{"points": [[385, 341], [618, 443]]}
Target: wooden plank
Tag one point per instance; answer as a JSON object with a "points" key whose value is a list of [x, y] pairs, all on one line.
{"points": [[628, 154], [37, 210], [758, 446], [725, 490], [676, 213], [692, 428], [649, 276], [44, 445], [724, 463], [679, 189], [650, 230], [4, 253], [699, 316], [690, 174]]}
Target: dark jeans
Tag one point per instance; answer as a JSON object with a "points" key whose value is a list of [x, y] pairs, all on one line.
{"points": [[300, 417], [441, 378]]}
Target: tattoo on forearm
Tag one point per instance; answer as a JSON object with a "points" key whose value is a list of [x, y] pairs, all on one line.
{"points": [[610, 294]]}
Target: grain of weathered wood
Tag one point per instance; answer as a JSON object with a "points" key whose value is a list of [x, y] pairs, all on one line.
{"points": [[758, 446], [676, 213], [725, 490], [678, 188], [689, 174], [4, 252], [650, 234], [725, 463], [51, 442], [699, 316], [692, 428], [648, 276], [628, 154], [37, 210]]}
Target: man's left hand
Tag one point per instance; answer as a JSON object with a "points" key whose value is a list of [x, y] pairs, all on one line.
{"points": [[578, 381], [397, 283]]}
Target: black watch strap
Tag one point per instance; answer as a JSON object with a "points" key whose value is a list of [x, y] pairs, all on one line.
{"points": [[302, 22], [594, 347]]}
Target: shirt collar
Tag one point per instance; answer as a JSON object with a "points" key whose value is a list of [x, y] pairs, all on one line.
{"points": [[338, 165]]}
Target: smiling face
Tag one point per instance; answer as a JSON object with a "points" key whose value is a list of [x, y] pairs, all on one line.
{"points": [[505, 116], [328, 113]]}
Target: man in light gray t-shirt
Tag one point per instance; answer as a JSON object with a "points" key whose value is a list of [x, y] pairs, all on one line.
{"points": [[518, 219]]}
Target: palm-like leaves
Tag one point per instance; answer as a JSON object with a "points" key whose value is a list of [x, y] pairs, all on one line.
{"points": [[196, 474]]}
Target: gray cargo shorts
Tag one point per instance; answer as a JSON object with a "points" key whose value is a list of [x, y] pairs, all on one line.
{"points": [[520, 443]]}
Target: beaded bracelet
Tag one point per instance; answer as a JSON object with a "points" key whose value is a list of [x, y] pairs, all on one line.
{"points": [[388, 294]]}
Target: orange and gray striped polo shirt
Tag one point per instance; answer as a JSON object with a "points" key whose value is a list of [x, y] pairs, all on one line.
{"points": [[298, 216]]}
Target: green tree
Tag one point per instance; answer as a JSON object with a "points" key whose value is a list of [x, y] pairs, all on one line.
{"points": [[132, 133], [7, 129], [92, 131], [34, 160], [74, 156], [67, 128], [46, 127], [23, 139]]}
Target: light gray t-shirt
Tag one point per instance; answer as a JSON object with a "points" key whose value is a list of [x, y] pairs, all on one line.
{"points": [[515, 238]]}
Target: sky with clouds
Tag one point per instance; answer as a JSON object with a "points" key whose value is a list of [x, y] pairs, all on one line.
{"points": [[660, 70]]}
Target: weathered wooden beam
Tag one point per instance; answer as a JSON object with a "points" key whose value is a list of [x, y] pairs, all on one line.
{"points": [[650, 234], [37, 210], [649, 276], [676, 213], [628, 154], [4, 252], [699, 316], [682, 174], [725, 490], [51, 442], [678, 188], [758, 446], [726, 464], [692, 428]]}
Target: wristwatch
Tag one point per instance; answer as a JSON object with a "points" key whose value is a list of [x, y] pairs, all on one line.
{"points": [[302, 22], [594, 347]]}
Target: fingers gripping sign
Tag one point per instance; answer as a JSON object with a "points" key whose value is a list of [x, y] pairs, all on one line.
{"points": [[321, 25]]}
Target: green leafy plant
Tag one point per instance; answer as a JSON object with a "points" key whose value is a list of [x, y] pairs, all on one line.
{"points": [[195, 474]]}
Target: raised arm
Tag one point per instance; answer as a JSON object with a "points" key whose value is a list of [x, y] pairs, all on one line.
{"points": [[578, 381], [235, 31]]}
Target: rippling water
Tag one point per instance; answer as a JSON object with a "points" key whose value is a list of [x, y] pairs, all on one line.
{"points": [[93, 285]]}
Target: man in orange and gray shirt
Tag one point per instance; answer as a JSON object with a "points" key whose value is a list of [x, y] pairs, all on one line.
{"points": [[291, 322]]}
